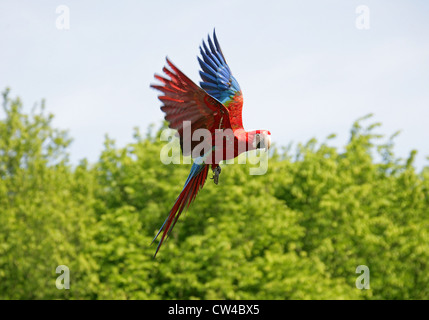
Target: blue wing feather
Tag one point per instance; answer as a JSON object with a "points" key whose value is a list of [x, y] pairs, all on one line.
{"points": [[206, 77], [216, 76]]}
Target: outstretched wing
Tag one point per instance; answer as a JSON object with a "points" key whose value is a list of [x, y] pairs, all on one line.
{"points": [[219, 82], [183, 101]]}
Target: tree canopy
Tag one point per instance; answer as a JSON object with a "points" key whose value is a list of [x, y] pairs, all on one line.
{"points": [[297, 232]]}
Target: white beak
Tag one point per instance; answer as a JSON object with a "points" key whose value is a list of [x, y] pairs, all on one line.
{"points": [[267, 142]]}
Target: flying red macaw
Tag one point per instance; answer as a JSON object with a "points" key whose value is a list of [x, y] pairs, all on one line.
{"points": [[216, 107]]}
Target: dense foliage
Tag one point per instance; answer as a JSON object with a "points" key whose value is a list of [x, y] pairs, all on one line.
{"points": [[297, 232]]}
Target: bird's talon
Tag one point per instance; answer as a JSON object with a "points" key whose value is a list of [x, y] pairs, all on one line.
{"points": [[216, 172]]}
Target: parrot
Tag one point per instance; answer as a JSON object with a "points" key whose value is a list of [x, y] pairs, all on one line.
{"points": [[215, 106]]}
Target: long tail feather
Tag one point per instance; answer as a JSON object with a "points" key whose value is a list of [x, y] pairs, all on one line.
{"points": [[193, 184]]}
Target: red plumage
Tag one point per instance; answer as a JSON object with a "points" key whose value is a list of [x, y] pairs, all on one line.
{"points": [[183, 100], [194, 183]]}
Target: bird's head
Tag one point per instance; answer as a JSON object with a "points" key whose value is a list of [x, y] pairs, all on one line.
{"points": [[259, 139]]}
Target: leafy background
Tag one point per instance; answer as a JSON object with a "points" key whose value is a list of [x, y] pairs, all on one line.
{"points": [[297, 232]]}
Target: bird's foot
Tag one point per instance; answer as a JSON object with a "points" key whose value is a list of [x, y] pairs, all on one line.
{"points": [[216, 172]]}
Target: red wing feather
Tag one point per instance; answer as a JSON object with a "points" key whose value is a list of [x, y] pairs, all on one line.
{"points": [[183, 101]]}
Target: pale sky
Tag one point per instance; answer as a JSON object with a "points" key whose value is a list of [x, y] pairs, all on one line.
{"points": [[304, 67]]}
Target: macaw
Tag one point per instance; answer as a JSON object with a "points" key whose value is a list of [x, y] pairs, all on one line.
{"points": [[215, 106]]}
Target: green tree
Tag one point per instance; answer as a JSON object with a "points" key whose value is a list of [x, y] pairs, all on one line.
{"points": [[297, 232], [46, 209]]}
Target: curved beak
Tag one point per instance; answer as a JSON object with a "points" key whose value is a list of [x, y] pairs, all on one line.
{"points": [[262, 142], [267, 142]]}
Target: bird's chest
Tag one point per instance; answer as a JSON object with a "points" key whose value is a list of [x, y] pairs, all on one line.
{"points": [[226, 146]]}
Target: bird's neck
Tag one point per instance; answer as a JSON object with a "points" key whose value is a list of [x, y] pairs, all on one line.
{"points": [[243, 137]]}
